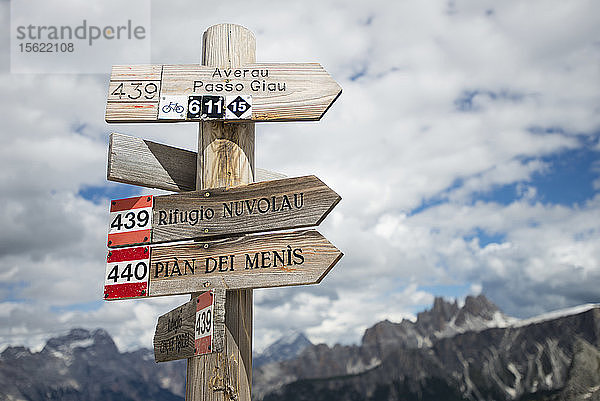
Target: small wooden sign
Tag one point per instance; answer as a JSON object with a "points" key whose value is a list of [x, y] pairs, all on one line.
{"points": [[251, 261], [194, 328], [266, 206], [193, 92]]}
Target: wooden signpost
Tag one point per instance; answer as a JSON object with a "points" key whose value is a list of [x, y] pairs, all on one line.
{"points": [[265, 206], [252, 261], [218, 205], [193, 92]]}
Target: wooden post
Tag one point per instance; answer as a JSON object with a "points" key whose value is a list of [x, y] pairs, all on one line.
{"points": [[226, 158]]}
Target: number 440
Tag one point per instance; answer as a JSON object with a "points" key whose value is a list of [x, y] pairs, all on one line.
{"points": [[128, 273]]}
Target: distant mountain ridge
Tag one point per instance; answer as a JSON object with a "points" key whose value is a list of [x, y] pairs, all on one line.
{"points": [[443, 320], [473, 352], [451, 352], [84, 365]]}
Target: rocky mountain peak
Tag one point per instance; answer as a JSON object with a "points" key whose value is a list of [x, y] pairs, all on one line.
{"points": [[98, 340], [444, 319], [86, 365], [438, 316], [15, 352], [478, 306], [451, 352], [287, 347]]}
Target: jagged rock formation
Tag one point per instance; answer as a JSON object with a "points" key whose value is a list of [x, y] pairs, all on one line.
{"points": [[445, 319], [85, 365], [287, 347], [583, 382], [450, 353]]}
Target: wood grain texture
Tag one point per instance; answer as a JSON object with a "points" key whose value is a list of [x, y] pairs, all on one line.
{"points": [[150, 164], [266, 206], [231, 152], [146, 72], [219, 320], [251, 261], [139, 162], [280, 91], [226, 156]]}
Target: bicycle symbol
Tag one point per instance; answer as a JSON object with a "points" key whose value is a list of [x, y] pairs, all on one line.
{"points": [[173, 106]]}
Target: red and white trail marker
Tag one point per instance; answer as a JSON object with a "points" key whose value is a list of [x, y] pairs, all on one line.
{"points": [[130, 221], [204, 323], [127, 272]]}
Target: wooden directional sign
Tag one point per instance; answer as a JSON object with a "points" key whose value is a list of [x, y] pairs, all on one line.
{"points": [[150, 164], [265, 206], [193, 92], [251, 261], [194, 328]]}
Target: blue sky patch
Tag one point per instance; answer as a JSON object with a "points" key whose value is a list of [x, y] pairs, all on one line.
{"points": [[568, 180], [466, 101], [9, 291], [485, 237], [99, 193]]}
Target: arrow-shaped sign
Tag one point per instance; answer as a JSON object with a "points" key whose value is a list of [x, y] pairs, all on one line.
{"points": [[193, 92], [251, 261], [265, 206]]}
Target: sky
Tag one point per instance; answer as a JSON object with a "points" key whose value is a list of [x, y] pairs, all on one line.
{"points": [[465, 147]]}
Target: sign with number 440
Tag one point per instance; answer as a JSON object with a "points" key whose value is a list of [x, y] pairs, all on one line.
{"points": [[127, 273]]}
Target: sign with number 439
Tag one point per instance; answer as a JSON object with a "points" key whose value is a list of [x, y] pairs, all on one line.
{"points": [[130, 221], [204, 323]]}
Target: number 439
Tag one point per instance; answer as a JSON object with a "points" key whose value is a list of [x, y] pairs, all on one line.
{"points": [[131, 220]]}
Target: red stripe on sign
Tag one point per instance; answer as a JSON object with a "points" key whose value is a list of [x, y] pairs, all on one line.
{"points": [[118, 205], [129, 238], [203, 345], [204, 300], [129, 290], [136, 253]]}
